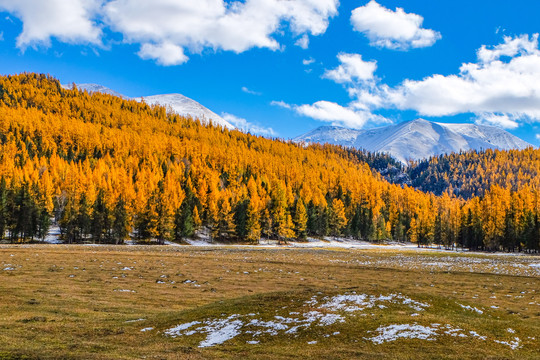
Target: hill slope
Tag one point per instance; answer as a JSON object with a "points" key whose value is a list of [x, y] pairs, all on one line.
{"points": [[108, 168], [179, 103], [418, 139]]}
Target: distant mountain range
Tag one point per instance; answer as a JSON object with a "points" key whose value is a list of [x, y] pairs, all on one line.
{"points": [[417, 139], [177, 102]]}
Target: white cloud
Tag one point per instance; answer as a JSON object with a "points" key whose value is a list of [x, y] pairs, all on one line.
{"points": [[235, 26], [246, 126], [505, 121], [281, 104], [352, 68], [502, 88], [172, 28], [251, 92], [510, 48], [538, 136], [1, 36], [490, 86], [308, 61], [334, 113], [392, 29], [68, 21], [303, 42], [165, 54]]}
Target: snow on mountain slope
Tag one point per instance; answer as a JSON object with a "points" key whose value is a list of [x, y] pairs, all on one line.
{"points": [[96, 88], [186, 107], [177, 102], [417, 139]]}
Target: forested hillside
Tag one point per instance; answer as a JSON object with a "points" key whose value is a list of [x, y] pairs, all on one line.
{"points": [[106, 169], [472, 173]]}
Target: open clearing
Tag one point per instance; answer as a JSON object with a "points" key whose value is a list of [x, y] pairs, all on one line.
{"points": [[165, 302]]}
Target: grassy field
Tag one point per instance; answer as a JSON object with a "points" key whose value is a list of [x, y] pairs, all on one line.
{"points": [[83, 302]]}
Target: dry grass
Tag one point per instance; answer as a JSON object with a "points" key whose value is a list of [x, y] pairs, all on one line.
{"points": [[71, 301]]}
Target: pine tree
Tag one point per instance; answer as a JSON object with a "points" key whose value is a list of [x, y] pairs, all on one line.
{"points": [[300, 220], [281, 219], [226, 226], [337, 220], [120, 226], [3, 207]]}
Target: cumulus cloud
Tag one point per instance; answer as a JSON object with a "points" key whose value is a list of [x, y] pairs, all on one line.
{"points": [[506, 121], [392, 29], [510, 47], [502, 88], [172, 28], [165, 54], [303, 42], [246, 126], [490, 86], [70, 21], [232, 26], [352, 68], [538, 136], [334, 113]]}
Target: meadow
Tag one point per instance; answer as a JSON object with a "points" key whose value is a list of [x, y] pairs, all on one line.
{"points": [[166, 302]]}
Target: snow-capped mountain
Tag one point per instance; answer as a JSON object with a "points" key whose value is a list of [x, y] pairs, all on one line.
{"points": [[95, 88], [417, 139], [177, 102], [186, 107]]}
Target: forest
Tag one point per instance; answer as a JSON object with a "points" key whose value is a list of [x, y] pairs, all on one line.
{"points": [[105, 170]]}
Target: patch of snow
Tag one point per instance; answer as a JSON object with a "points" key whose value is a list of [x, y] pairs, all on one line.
{"points": [[147, 329], [134, 320], [175, 331], [471, 308], [403, 331], [219, 331], [354, 302], [514, 344]]}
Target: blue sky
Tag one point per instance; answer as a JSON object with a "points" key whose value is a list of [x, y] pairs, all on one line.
{"points": [[295, 65]]}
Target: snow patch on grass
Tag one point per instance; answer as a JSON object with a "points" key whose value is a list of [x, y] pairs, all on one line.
{"points": [[471, 308], [416, 331], [354, 302], [135, 320], [514, 344], [403, 331]]}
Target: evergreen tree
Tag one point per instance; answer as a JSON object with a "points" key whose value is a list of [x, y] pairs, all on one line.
{"points": [[337, 220], [300, 220], [120, 226], [4, 211]]}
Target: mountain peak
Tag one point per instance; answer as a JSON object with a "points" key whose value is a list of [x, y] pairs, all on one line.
{"points": [[179, 103], [417, 139]]}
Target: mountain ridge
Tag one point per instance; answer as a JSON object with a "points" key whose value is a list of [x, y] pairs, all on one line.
{"points": [[417, 139], [179, 103]]}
